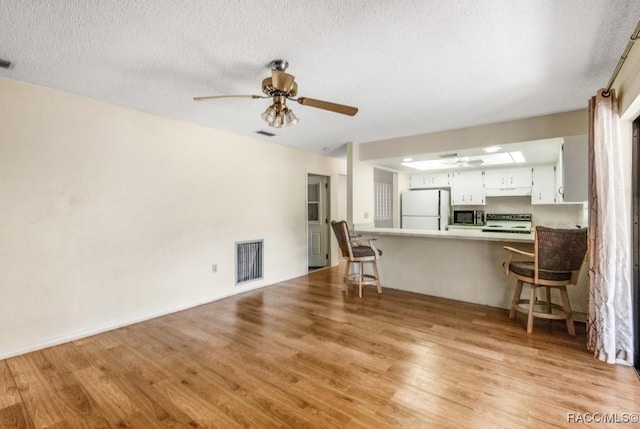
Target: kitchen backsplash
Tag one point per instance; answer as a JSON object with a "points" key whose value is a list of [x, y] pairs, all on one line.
{"points": [[556, 215]]}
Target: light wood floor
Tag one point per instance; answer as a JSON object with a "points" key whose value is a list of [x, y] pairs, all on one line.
{"points": [[302, 354]]}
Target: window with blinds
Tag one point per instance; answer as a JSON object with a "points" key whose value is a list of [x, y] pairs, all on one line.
{"points": [[383, 198]]}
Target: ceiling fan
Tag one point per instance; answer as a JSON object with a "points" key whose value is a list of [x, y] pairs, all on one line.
{"points": [[281, 87]]}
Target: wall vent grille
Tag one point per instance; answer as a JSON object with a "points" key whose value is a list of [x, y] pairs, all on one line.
{"points": [[249, 261]]}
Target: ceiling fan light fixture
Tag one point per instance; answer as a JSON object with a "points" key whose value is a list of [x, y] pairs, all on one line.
{"points": [[278, 116], [269, 115], [279, 121], [290, 118], [281, 87]]}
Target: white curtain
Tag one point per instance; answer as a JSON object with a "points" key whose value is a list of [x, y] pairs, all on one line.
{"points": [[610, 325]]}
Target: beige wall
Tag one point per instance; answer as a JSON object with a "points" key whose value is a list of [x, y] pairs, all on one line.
{"points": [[110, 215], [536, 128], [361, 203]]}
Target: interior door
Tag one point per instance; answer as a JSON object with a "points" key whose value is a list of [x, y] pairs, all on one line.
{"points": [[318, 220]]}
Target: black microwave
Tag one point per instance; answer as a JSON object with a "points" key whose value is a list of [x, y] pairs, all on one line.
{"points": [[468, 217]]}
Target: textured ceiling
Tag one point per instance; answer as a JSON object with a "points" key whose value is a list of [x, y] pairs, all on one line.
{"points": [[411, 66]]}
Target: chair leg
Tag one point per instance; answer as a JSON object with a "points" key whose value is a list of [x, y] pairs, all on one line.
{"points": [[377, 274], [532, 302], [516, 298], [360, 276], [566, 307], [346, 276], [548, 299]]}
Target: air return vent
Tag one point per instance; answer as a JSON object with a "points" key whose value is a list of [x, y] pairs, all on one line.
{"points": [[249, 258]]}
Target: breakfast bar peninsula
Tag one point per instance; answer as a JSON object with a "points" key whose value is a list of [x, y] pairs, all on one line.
{"points": [[459, 264]]}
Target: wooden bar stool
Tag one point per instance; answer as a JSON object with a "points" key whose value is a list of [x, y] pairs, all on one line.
{"points": [[555, 263], [359, 254]]}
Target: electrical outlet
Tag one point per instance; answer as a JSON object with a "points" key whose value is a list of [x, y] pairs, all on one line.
{"points": [[366, 215], [214, 268]]}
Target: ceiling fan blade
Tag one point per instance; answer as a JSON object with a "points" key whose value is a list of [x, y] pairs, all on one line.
{"points": [[338, 108], [282, 81], [226, 96]]}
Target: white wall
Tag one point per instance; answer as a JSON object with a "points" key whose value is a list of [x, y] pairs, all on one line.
{"points": [[360, 189], [342, 197], [110, 215]]}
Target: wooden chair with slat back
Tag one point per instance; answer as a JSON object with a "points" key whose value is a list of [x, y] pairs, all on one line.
{"points": [[359, 254], [556, 262]]}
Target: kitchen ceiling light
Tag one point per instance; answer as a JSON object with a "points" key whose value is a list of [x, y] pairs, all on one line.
{"points": [[491, 149], [518, 157], [407, 159], [501, 158]]}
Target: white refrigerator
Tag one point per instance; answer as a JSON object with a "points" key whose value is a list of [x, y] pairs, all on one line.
{"points": [[426, 209]]}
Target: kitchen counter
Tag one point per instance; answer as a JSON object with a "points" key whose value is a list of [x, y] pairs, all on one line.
{"points": [[468, 233], [464, 264]]}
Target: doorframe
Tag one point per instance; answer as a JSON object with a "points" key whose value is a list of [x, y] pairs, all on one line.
{"points": [[635, 203], [327, 202]]}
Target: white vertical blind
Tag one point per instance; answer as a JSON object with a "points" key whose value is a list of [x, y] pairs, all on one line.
{"points": [[383, 198]]}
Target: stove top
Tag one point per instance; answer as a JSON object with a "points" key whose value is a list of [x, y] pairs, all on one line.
{"points": [[517, 223]]}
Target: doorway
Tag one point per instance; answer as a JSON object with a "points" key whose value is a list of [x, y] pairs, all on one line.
{"points": [[318, 210]]}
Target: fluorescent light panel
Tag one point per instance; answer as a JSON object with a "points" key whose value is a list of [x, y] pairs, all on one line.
{"points": [[468, 161], [491, 149], [518, 157]]}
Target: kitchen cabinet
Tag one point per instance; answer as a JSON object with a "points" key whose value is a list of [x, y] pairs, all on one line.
{"points": [[438, 180], [417, 181], [507, 181], [429, 180], [543, 189], [572, 175], [467, 188]]}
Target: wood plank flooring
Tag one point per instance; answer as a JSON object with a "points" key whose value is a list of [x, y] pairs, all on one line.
{"points": [[302, 354]]}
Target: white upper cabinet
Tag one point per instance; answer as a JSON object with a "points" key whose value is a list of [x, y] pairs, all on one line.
{"points": [[508, 181], [467, 188], [572, 171], [430, 180], [417, 181], [438, 180], [543, 190]]}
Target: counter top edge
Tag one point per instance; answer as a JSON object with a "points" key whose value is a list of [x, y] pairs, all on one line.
{"points": [[461, 234]]}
